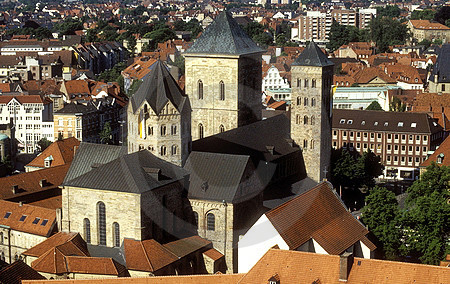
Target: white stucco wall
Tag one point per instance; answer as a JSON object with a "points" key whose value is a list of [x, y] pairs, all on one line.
{"points": [[318, 248], [366, 251], [256, 242]]}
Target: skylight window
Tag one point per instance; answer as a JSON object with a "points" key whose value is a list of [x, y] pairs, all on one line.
{"points": [[400, 124], [342, 121], [413, 124], [7, 215], [44, 222], [386, 123], [350, 121], [22, 218], [36, 220], [363, 122]]}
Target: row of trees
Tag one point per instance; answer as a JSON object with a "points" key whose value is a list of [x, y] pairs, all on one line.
{"points": [[420, 230]]}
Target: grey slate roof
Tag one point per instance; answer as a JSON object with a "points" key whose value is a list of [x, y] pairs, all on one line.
{"points": [[312, 56], [215, 176], [76, 108], [442, 66], [88, 154], [157, 89], [372, 120], [224, 36], [129, 173]]}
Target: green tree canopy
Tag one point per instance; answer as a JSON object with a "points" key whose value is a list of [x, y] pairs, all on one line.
{"points": [[159, 35], [106, 134], [257, 32], [391, 11], [427, 14], [443, 15], [44, 143], [68, 26], [387, 31], [374, 106], [381, 215], [341, 34], [397, 105]]}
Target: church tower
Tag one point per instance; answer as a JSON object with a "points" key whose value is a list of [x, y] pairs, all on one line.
{"points": [[223, 78], [312, 76], [159, 117]]}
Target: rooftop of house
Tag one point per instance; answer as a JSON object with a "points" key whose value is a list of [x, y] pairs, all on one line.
{"points": [[72, 241], [224, 36], [318, 214], [140, 68], [17, 271], [385, 121], [427, 25], [24, 99], [441, 70], [159, 88], [186, 246], [62, 152], [441, 156], [27, 218], [312, 56]]}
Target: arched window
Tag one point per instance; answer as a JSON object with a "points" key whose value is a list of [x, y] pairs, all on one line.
{"points": [[313, 83], [298, 119], [200, 130], [174, 129], [141, 147], [174, 149], [312, 144], [116, 232], [313, 120], [299, 101], [200, 90], [313, 102], [222, 91], [163, 130], [305, 119], [163, 150], [196, 219], [150, 130], [305, 101], [210, 222], [305, 144], [87, 230], [1, 237], [101, 223], [221, 128], [306, 83], [298, 82]]}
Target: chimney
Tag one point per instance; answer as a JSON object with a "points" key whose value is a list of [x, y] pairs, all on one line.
{"points": [[270, 149], [345, 265], [153, 172], [43, 182], [15, 189]]}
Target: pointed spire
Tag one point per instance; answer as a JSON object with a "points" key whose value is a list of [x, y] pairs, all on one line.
{"points": [[312, 56], [157, 88], [224, 36]]}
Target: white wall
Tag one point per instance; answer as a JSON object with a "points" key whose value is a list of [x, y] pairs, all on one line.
{"points": [[318, 248], [256, 242], [366, 251]]}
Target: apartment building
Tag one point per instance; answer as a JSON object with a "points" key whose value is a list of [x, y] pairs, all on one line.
{"points": [[402, 140], [31, 116]]}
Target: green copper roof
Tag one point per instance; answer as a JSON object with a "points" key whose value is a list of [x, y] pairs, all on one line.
{"points": [[224, 36], [312, 56]]}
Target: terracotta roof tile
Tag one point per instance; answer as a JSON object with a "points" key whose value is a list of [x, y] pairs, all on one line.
{"points": [[443, 152], [18, 271], [23, 99], [94, 265], [56, 240], [62, 152], [148, 255], [427, 25], [318, 214], [186, 246], [213, 254], [29, 183], [139, 68], [54, 202], [27, 218]]}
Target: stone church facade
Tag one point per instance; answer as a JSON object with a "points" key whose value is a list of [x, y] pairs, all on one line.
{"points": [[312, 76], [223, 78]]}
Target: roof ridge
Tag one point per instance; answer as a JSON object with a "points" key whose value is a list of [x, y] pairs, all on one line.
{"points": [[146, 256]]}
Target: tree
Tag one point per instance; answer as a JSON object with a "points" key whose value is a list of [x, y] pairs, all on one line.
{"points": [[397, 105], [160, 35], [106, 134], [68, 27], [381, 215], [374, 106], [44, 143], [427, 14], [257, 32], [443, 15], [341, 34], [391, 11], [387, 31], [425, 219]]}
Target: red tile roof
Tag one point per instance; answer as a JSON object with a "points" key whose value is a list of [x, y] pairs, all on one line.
{"points": [[148, 255], [213, 254], [62, 152], [427, 25], [320, 215], [33, 218], [76, 243], [29, 183], [18, 271], [443, 151], [24, 99], [139, 68], [186, 246], [94, 265]]}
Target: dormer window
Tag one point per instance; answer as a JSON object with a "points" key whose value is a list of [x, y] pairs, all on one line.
{"points": [[342, 121], [386, 123], [413, 124], [275, 279], [363, 122], [375, 123], [400, 124], [350, 121], [440, 158]]}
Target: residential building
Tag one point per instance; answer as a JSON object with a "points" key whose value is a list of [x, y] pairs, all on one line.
{"points": [[312, 77], [440, 156], [59, 153], [31, 116], [274, 80], [159, 117], [136, 71], [305, 223], [424, 29], [223, 78], [23, 226], [402, 140], [439, 80], [223, 202]]}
